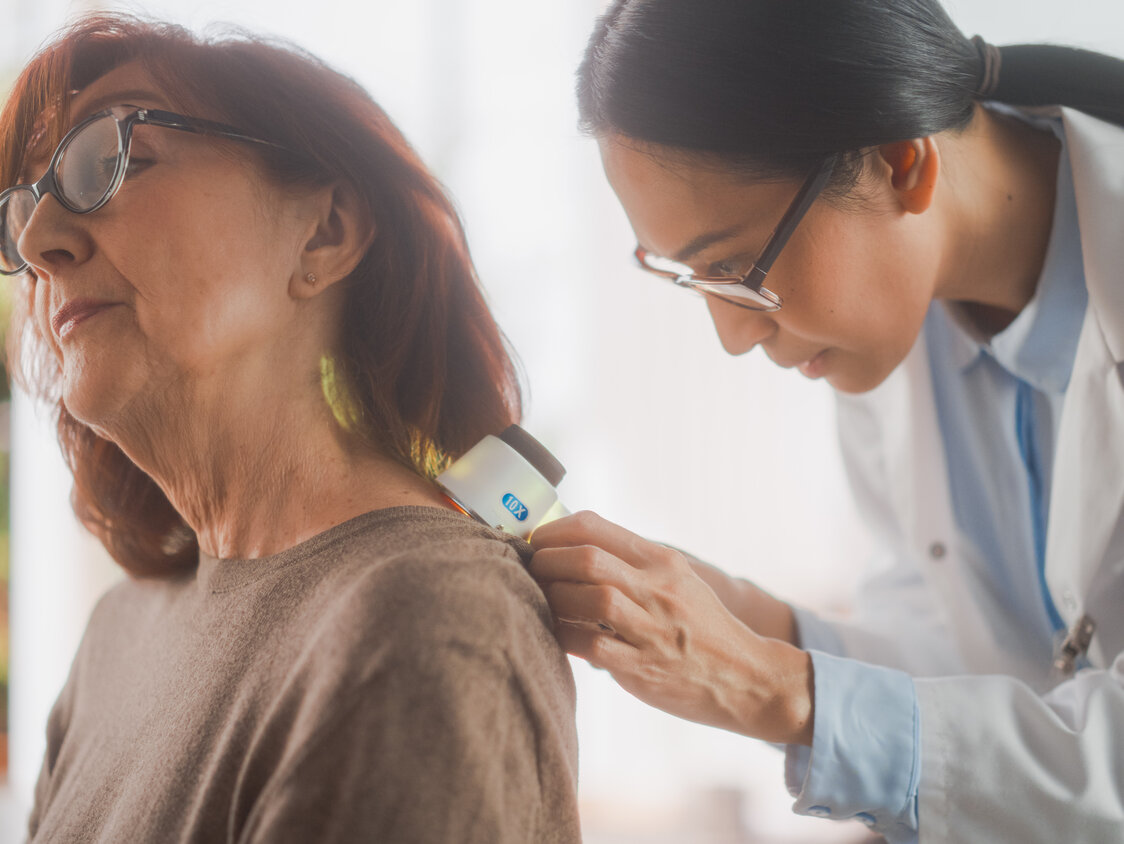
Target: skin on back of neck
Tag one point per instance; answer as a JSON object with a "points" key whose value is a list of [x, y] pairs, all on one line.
{"points": [[1003, 172]]}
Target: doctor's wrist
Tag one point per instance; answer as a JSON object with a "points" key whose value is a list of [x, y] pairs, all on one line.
{"points": [[781, 708], [799, 679], [766, 615]]}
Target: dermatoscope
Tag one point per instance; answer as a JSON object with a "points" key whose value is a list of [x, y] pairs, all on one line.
{"points": [[508, 482]]}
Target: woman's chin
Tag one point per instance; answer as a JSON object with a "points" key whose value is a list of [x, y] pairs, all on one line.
{"points": [[94, 405]]}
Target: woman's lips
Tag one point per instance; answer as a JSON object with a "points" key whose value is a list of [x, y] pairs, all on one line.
{"points": [[75, 312]]}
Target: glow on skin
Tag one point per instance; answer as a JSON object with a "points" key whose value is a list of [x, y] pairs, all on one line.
{"points": [[963, 216], [196, 340]]}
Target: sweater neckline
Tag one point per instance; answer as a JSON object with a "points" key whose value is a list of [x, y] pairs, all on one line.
{"points": [[221, 574]]}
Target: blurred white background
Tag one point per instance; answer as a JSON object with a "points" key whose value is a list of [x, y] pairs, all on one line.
{"points": [[660, 431]]}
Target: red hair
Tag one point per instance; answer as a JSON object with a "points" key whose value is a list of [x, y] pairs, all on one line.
{"points": [[426, 368]]}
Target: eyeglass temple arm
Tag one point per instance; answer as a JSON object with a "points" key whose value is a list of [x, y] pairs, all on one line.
{"points": [[811, 189], [171, 120]]}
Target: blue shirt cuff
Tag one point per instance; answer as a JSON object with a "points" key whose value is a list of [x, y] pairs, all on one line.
{"points": [[865, 759]]}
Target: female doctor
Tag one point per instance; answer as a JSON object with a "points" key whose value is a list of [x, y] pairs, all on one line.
{"points": [[951, 261]]}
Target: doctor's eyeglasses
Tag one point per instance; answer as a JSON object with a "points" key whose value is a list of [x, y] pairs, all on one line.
{"points": [[88, 168], [746, 291]]}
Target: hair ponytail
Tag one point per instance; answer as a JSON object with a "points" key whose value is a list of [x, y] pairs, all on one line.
{"points": [[770, 87], [1044, 74]]}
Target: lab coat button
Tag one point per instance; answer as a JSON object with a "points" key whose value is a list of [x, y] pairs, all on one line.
{"points": [[865, 818], [937, 550], [820, 811]]}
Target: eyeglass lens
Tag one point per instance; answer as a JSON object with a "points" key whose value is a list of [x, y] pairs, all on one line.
{"points": [[14, 214], [85, 172], [666, 266], [88, 164], [729, 291], [682, 274]]}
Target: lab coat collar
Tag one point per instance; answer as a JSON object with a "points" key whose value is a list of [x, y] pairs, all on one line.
{"points": [[1098, 174]]}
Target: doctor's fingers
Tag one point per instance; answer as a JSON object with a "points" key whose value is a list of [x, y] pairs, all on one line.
{"points": [[601, 650], [583, 564], [587, 528], [593, 607]]}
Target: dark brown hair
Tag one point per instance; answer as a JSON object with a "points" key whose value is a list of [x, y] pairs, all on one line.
{"points": [[426, 369], [769, 88]]}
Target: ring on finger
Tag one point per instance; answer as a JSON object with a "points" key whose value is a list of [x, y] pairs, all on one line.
{"points": [[589, 624]]}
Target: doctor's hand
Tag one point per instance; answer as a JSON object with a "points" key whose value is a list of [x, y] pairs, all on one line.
{"points": [[749, 603], [639, 610]]}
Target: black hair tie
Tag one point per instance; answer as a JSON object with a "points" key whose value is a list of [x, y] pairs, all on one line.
{"points": [[990, 59]]}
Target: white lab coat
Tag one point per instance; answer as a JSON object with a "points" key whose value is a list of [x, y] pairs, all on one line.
{"points": [[1005, 757]]}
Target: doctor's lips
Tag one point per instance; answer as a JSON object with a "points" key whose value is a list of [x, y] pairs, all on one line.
{"points": [[75, 312], [814, 367], [810, 367]]}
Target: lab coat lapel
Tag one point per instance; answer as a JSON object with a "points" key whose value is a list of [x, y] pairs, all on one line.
{"points": [[917, 477], [922, 470], [1088, 488], [916, 474], [1087, 501]]}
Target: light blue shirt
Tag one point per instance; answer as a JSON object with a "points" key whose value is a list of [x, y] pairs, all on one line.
{"points": [[998, 404]]}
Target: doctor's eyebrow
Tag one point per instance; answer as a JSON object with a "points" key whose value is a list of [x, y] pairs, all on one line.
{"points": [[706, 240]]}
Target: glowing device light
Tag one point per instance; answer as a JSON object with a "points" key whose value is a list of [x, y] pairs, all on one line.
{"points": [[507, 482]]}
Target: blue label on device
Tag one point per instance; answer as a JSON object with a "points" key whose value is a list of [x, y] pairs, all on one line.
{"points": [[515, 506]]}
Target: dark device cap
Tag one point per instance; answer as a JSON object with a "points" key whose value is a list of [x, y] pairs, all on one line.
{"points": [[534, 453]]}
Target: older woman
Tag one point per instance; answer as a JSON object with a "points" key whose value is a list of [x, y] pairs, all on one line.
{"points": [[256, 313]]}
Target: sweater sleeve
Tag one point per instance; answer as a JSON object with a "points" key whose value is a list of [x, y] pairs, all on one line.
{"points": [[42, 789], [451, 721], [439, 752], [58, 722]]}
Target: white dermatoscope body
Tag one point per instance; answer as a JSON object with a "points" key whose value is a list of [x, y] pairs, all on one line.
{"points": [[507, 482]]}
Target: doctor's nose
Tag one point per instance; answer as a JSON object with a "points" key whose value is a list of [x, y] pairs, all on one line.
{"points": [[739, 329]]}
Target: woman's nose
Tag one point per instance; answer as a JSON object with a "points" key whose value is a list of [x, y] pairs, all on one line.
{"points": [[739, 329], [54, 238]]}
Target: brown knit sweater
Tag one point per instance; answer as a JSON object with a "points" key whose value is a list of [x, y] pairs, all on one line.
{"points": [[394, 679]]}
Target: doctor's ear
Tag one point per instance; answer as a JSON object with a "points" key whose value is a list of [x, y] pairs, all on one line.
{"points": [[914, 167], [340, 231]]}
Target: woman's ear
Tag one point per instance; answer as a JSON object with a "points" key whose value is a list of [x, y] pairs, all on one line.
{"points": [[914, 167], [340, 234]]}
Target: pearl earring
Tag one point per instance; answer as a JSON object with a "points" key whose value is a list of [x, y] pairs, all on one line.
{"points": [[310, 278]]}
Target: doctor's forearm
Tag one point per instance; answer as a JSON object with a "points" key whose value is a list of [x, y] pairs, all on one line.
{"points": [[751, 605]]}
